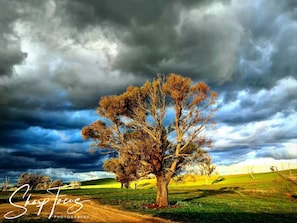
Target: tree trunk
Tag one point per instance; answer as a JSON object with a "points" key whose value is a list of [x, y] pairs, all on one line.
{"points": [[127, 184], [206, 179], [162, 193]]}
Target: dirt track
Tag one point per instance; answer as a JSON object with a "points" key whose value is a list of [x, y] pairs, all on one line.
{"points": [[91, 211], [102, 213]]}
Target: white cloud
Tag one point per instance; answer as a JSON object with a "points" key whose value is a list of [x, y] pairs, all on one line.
{"points": [[67, 175], [257, 166], [274, 137]]}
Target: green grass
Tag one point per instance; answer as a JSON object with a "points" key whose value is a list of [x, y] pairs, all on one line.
{"points": [[106, 181], [100, 183], [268, 197]]}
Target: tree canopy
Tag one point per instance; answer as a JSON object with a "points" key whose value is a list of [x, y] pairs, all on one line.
{"points": [[161, 124]]}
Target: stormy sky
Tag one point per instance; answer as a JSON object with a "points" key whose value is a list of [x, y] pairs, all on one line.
{"points": [[58, 57]]}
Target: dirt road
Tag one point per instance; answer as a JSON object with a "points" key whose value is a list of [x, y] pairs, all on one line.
{"points": [[102, 213], [85, 211]]}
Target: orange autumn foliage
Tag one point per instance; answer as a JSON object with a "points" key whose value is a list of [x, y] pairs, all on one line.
{"points": [[138, 131]]}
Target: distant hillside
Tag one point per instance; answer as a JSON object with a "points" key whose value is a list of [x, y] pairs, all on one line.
{"points": [[197, 180], [98, 182]]}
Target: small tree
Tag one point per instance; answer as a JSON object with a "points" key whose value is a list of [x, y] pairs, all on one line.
{"points": [[206, 168], [5, 184], [160, 146], [124, 168], [33, 180], [202, 165], [75, 185], [273, 168], [56, 183], [37, 182], [251, 172]]}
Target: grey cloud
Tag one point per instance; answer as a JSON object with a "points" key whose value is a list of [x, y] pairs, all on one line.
{"points": [[276, 153], [274, 133], [33, 128], [196, 39], [92, 12], [187, 45], [235, 154], [62, 80], [19, 162], [147, 49], [284, 60], [231, 150], [248, 106], [33, 93], [158, 39], [85, 83], [10, 55], [46, 157], [208, 44], [227, 44], [147, 36], [270, 49], [10, 51]]}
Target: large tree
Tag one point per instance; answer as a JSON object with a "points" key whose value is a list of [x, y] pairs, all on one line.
{"points": [[157, 123]]}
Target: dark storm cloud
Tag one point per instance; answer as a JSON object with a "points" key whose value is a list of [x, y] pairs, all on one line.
{"points": [[221, 42], [92, 12], [20, 161], [46, 156], [146, 35], [226, 43], [71, 160], [10, 55], [10, 51], [37, 138], [82, 14], [68, 119], [271, 44], [160, 39], [56, 164]]}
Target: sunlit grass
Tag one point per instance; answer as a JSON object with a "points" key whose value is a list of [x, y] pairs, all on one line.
{"points": [[114, 185], [263, 197], [100, 183]]}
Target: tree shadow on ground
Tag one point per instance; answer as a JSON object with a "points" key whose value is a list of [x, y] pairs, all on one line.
{"points": [[193, 215], [206, 193], [222, 217]]}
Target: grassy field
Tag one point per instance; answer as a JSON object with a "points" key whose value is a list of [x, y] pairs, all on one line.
{"points": [[101, 183], [265, 197]]}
